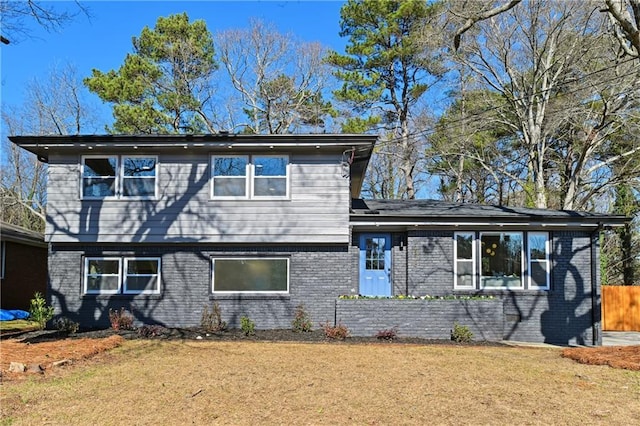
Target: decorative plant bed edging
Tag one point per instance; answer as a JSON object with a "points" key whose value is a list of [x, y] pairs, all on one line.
{"points": [[427, 319]]}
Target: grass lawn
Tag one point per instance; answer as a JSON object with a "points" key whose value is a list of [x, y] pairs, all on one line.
{"points": [[16, 326], [257, 383]]}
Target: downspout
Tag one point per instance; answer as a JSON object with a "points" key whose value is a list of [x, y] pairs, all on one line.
{"points": [[596, 311]]}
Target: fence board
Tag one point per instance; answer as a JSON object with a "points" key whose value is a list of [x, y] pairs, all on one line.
{"points": [[620, 308]]}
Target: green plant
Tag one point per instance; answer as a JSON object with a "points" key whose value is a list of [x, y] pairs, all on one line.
{"points": [[301, 321], [387, 334], [65, 325], [211, 320], [39, 312], [247, 326], [338, 331], [121, 320], [461, 333]]}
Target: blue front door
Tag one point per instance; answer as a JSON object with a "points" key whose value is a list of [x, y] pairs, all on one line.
{"points": [[375, 265]]}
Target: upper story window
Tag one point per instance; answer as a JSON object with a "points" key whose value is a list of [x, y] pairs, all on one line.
{"points": [[112, 176], [244, 176]]}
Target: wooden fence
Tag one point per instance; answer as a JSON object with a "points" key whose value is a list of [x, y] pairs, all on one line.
{"points": [[620, 308]]}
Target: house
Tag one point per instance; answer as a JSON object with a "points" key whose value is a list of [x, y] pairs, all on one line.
{"points": [[23, 266], [166, 225]]}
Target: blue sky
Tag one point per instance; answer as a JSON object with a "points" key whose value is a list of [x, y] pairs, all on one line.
{"points": [[102, 40]]}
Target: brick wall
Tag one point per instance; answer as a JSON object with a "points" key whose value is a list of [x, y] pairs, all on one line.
{"points": [[429, 319]]}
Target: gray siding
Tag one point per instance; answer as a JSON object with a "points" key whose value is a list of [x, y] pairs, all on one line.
{"points": [[317, 210]]}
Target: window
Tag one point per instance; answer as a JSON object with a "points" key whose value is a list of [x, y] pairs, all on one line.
{"points": [[142, 275], [243, 177], [118, 177], [538, 247], [115, 275], [102, 275], [251, 275], [230, 176], [464, 254], [497, 260], [501, 259]]}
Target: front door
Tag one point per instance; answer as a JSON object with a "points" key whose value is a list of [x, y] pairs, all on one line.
{"points": [[375, 265]]}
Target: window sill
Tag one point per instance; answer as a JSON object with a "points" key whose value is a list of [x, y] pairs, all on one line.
{"points": [[120, 296], [250, 296]]}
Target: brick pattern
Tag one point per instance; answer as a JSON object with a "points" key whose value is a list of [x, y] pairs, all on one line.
{"points": [[429, 319]]}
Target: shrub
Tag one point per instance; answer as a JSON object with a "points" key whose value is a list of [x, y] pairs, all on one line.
{"points": [[387, 334], [39, 312], [247, 326], [121, 320], [65, 325], [150, 330], [301, 322], [211, 321], [338, 332], [461, 333]]}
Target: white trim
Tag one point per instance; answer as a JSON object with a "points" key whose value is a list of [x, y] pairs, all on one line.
{"points": [[86, 275], [472, 260], [546, 262], [254, 177], [213, 274], [522, 274], [126, 275], [245, 177], [115, 177], [123, 178]]}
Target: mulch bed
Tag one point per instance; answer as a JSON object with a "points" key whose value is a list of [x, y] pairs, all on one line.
{"points": [[626, 357]]}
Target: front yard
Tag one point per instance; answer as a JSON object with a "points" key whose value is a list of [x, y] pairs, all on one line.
{"points": [[256, 382]]}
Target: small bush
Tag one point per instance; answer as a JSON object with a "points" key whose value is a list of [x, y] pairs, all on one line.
{"points": [[461, 333], [121, 320], [211, 321], [65, 325], [338, 332], [150, 330], [387, 334], [247, 326], [301, 322], [39, 312]]}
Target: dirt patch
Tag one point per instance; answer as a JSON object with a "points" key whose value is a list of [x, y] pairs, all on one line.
{"points": [[42, 357], [627, 357]]}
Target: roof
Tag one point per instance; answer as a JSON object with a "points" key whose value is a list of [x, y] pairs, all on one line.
{"points": [[357, 148], [436, 212], [21, 235]]}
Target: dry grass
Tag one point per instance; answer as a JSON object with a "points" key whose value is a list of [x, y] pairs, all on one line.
{"points": [[238, 383]]}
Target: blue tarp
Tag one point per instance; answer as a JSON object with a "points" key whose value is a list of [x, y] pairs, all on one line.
{"points": [[12, 314]]}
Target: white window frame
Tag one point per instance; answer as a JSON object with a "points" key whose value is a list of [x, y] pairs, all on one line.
{"points": [[474, 273], [250, 177], [86, 275], [546, 261], [254, 177], [115, 177], [522, 260], [213, 275], [246, 178], [126, 275], [123, 178]]}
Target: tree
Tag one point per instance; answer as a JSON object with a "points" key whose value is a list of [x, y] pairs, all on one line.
{"points": [[164, 86], [53, 106], [280, 80], [624, 16], [15, 13], [552, 64], [386, 71]]}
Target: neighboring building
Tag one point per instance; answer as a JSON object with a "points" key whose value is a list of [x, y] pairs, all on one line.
{"points": [[166, 225], [23, 266]]}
